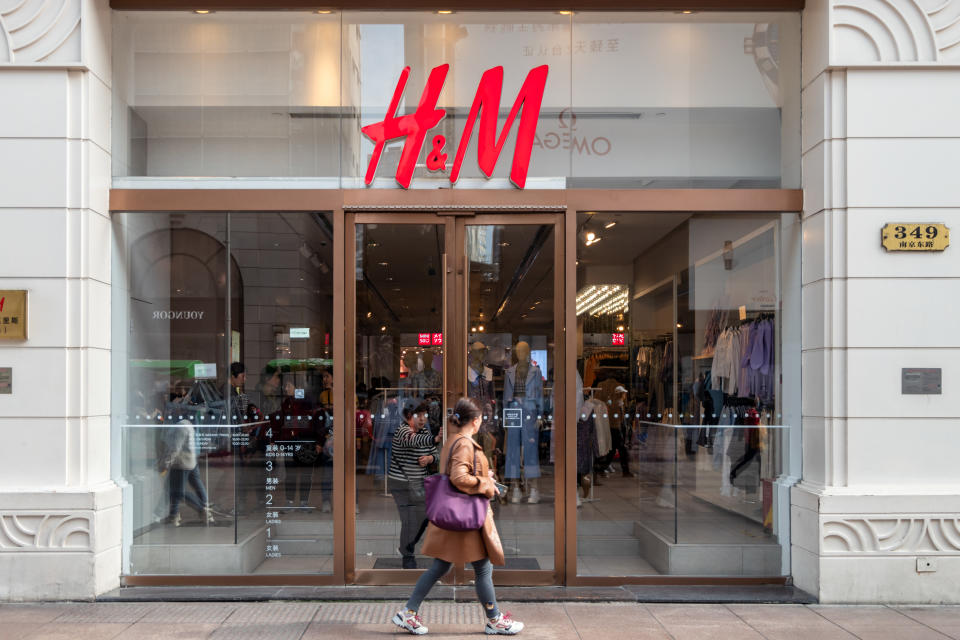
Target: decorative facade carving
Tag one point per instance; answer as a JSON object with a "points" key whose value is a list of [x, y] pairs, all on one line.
{"points": [[44, 532], [884, 535], [896, 31], [39, 31]]}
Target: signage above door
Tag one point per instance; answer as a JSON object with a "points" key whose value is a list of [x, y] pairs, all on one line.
{"points": [[486, 104]]}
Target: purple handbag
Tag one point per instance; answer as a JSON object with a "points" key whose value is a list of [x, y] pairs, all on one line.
{"points": [[451, 509]]}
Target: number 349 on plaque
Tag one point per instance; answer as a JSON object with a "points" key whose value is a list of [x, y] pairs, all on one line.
{"points": [[915, 236]]}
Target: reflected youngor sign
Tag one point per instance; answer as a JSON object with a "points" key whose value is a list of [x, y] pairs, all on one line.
{"points": [[486, 105]]}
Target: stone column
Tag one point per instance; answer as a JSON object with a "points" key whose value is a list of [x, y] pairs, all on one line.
{"points": [[881, 143], [59, 508]]}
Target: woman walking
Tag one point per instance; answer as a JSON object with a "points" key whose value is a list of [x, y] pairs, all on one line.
{"points": [[480, 547], [414, 448]]}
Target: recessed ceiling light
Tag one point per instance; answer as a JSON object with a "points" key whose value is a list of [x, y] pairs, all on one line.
{"points": [[384, 264], [383, 328], [444, 12], [610, 224], [687, 12], [202, 12], [565, 12], [324, 12]]}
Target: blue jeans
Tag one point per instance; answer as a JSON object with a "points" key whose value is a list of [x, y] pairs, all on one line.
{"points": [[439, 568], [179, 477], [526, 437]]}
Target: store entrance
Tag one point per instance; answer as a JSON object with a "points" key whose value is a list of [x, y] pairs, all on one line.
{"points": [[445, 306]]}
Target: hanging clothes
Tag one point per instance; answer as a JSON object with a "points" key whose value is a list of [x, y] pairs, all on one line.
{"points": [[598, 410]]}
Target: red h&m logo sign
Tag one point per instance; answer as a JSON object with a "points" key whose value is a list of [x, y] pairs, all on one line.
{"points": [[486, 104]]}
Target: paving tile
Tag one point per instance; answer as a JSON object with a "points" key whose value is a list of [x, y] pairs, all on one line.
{"points": [[267, 621], [128, 612], [692, 614], [78, 631], [877, 622], [167, 631], [630, 622], [17, 630], [945, 619], [789, 622], [189, 613], [273, 612], [701, 622], [30, 613]]}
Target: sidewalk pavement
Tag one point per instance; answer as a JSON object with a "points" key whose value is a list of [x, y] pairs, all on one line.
{"points": [[559, 621]]}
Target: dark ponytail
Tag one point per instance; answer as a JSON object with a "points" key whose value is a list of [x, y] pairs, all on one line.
{"points": [[465, 411]]}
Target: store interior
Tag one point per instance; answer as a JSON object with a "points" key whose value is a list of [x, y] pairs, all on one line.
{"points": [[678, 432]]}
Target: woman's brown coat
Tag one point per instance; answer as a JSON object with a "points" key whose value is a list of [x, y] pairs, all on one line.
{"points": [[466, 546]]}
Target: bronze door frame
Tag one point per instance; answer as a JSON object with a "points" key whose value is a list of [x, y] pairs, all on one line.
{"points": [[455, 313]]}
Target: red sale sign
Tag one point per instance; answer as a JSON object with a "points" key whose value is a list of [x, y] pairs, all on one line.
{"points": [[618, 339], [412, 128], [437, 339], [423, 339]]}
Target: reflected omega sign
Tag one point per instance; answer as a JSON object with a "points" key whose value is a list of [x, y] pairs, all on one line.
{"points": [[413, 127]]}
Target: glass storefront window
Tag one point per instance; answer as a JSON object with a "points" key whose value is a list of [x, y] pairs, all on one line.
{"points": [[222, 391], [226, 94], [680, 434], [632, 100]]}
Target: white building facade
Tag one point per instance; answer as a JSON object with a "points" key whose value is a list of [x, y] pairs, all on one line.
{"points": [[866, 501]]}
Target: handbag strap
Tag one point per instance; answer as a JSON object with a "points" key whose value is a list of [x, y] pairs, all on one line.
{"points": [[450, 458]]}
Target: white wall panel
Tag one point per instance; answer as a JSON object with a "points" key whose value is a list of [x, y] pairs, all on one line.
{"points": [[903, 172], [98, 103], [814, 452], [47, 325], [34, 103], [875, 389], [868, 259], [903, 312], [902, 452], [903, 103], [39, 382], [33, 173], [815, 179], [34, 452], [815, 113], [33, 254]]}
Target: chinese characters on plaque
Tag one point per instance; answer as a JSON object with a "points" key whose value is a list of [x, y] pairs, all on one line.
{"points": [[915, 236], [13, 315]]}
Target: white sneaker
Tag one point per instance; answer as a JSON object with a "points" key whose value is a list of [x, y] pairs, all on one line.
{"points": [[579, 501], [515, 495], [503, 625], [534, 496], [410, 621]]}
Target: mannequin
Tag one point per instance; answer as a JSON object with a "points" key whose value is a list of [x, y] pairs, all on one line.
{"points": [[409, 395], [523, 388], [480, 388], [430, 388]]}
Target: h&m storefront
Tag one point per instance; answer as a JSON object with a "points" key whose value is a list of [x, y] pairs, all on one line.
{"points": [[587, 221]]}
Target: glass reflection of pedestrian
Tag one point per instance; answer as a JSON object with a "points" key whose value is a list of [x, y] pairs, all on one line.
{"points": [[179, 459], [414, 449], [304, 436]]}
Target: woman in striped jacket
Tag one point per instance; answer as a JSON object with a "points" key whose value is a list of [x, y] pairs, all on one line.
{"points": [[414, 449]]}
